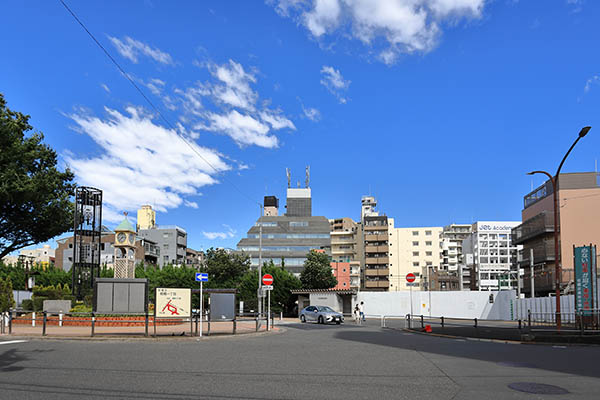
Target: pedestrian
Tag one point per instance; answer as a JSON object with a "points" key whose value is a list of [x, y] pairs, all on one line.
{"points": [[357, 314], [361, 309]]}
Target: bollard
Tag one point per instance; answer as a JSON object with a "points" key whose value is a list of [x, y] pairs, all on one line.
{"points": [[93, 324], [10, 322], [442, 322], [422, 325], [60, 318], [281, 316], [475, 322], [44, 319], [234, 326], [196, 316], [382, 321], [519, 324], [529, 318], [33, 319], [257, 324], [208, 330], [408, 318], [146, 325]]}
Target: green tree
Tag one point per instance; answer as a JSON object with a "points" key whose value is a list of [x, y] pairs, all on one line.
{"points": [[317, 273], [35, 197], [7, 300], [225, 270], [283, 283]]}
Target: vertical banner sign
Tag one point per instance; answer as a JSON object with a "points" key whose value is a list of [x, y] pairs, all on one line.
{"points": [[584, 263]]}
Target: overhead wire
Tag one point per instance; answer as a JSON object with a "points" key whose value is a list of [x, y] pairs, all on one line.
{"points": [[141, 92]]}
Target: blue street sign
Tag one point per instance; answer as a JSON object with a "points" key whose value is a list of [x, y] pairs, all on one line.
{"points": [[201, 277]]}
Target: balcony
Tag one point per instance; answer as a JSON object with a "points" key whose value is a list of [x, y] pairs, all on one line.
{"points": [[376, 238], [377, 284], [543, 251], [533, 227], [376, 249], [377, 271], [376, 260]]}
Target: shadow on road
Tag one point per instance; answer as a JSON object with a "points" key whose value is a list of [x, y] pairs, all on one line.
{"points": [[578, 360]]}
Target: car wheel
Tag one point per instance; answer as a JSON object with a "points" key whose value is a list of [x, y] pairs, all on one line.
{"points": [[321, 320], [302, 318], [338, 322]]}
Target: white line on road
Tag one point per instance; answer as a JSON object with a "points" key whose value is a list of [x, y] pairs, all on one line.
{"points": [[12, 341]]}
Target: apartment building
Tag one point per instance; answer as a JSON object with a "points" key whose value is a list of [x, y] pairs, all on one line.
{"points": [[347, 247], [579, 213], [376, 270], [491, 255], [172, 241], [146, 218], [417, 251], [452, 238]]}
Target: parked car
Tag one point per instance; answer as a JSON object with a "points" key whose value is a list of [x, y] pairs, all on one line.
{"points": [[321, 315]]}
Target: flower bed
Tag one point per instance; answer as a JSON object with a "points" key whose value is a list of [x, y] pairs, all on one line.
{"points": [[127, 320]]}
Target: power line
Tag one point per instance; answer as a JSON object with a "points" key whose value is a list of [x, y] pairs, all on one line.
{"points": [[141, 92]]}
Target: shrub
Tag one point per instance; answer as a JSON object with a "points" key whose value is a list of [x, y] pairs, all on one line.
{"points": [[81, 308], [38, 303], [27, 305]]}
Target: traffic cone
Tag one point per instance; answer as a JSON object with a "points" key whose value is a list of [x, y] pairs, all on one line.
{"points": [[428, 328]]}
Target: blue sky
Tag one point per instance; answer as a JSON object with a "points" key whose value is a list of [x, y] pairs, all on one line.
{"points": [[436, 107]]}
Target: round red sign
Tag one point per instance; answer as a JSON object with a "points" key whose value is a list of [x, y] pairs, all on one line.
{"points": [[410, 278], [267, 279]]}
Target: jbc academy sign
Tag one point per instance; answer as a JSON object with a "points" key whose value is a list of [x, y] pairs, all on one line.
{"points": [[173, 303]]}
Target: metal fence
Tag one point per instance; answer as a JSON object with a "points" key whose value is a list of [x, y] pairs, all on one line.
{"points": [[44, 320]]}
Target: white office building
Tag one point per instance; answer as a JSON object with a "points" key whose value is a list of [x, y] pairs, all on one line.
{"points": [[490, 256]]}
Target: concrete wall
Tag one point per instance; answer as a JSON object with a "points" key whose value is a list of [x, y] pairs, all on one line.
{"points": [[448, 304], [327, 299]]}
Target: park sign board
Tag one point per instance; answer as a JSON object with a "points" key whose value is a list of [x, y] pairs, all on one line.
{"points": [[585, 277], [173, 303]]}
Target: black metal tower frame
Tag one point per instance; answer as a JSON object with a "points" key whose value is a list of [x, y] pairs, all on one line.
{"points": [[87, 235]]}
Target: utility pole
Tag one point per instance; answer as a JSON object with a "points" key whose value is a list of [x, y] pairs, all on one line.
{"points": [[259, 292]]}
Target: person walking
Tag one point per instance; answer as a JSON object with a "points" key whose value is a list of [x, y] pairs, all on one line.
{"points": [[361, 309], [356, 314]]}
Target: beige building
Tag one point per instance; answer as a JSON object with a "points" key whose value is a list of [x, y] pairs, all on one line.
{"points": [[43, 256], [579, 217], [347, 246], [146, 218], [376, 229], [413, 250]]}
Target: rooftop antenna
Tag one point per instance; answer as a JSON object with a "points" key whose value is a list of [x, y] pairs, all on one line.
{"points": [[298, 183], [289, 177], [307, 175], [596, 165]]}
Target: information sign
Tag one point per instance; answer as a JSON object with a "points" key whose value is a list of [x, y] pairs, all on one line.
{"points": [[173, 303]]}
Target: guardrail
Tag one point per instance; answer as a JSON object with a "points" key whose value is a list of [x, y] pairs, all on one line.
{"points": [[45, 319]]}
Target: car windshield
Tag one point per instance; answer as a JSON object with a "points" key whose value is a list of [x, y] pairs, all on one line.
{"points": [[324, 309]]}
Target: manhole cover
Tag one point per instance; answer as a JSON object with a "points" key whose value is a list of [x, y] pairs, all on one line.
{"points": [[517, 364], [537, 388]]}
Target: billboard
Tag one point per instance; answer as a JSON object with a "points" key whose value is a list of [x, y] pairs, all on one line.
{"points": [[585, 277], [173, 303]]}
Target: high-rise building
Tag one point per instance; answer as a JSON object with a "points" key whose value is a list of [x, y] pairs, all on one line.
{"points": [[347, 247], [146, 218], [376, 269], [417, 251], [288, 237], [579, 213], [491, 255]]}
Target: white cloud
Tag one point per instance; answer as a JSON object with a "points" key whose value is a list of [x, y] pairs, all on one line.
{"points": [[141, 162], [228, 234], [229, 105], [132, 49], [311, 113], [406, 26], [334, 82], [106, 88], [594, 80], [191, 204]]}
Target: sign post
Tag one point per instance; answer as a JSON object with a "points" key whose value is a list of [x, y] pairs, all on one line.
{"points": [[267, 281], [410, 278], [201, 277]]}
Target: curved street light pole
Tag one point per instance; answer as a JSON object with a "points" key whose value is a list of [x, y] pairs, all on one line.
{"points": [[557, 259]]}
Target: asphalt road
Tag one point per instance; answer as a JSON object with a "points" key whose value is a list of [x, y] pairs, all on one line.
{"points": [[305, 361]]}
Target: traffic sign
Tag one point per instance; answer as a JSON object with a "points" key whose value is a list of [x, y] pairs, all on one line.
{"points": [[410, 278], [267, 279], [412, 284], [267, 287], [201, 277]]}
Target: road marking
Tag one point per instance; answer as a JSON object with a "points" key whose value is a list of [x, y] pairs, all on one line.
{"points": [[560, 347], [12, 341]]}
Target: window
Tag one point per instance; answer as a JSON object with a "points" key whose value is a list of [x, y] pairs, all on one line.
{"points": [[166, 246], [415, 254], [428, 253], [427, 243], [415, 264], [415, 243], [428, 263], [427, 233], [298, 223], [166, 259], [415, 233]]}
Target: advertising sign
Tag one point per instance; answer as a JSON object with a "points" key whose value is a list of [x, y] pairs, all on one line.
{"points": [[173, 303], [585, 268]]}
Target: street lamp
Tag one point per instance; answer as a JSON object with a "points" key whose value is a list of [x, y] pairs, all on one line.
{"points": [[554, 181]]}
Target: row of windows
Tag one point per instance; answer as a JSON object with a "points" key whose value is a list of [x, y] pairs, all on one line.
{"points": [[279, 248], [290, 236], [292, 223], [293, 262], [416, 233], [416, 243]]}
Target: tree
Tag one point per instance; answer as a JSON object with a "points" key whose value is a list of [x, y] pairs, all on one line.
{"points": [[281, 296], [35, 197], [225, 269], [317, 272], [7, 301]]}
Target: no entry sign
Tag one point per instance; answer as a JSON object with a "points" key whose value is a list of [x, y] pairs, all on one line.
{"points": [[410, 278], [267, 279]]}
